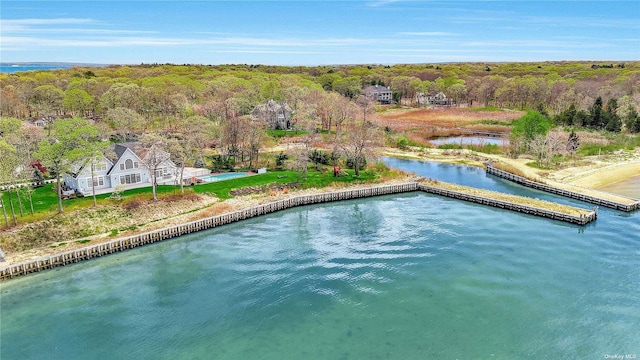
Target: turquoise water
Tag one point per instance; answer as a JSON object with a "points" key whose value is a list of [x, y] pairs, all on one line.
{"points": [[411, 276], [220, 177]]}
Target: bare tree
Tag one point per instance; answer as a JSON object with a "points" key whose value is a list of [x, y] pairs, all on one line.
{"points": [[154, 157], [70, 143], [358, 141]]}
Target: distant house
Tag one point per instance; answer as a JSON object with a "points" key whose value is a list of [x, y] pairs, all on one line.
{"points": [[379, 93], [41, 123], [278, 116], [437, 99], [125, 169]]}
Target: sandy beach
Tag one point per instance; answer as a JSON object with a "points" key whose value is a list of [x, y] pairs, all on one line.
{"points": [[592, 176]]}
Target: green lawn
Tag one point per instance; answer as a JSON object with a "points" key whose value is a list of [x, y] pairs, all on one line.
{"points": [[45, 200]]}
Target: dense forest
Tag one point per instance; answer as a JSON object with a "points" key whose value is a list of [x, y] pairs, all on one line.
{"points": [[165, 92], [185, 109]]}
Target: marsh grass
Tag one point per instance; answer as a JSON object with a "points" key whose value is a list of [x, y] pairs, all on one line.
{"points": [[420, 125]]}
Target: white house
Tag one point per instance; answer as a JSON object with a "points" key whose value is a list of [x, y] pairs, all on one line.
{"points": [[125, 170], [437, 99]]}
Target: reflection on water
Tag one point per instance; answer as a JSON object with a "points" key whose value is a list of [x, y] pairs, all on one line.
{"points": [[629, 187], [471, 140], [406, 276]]}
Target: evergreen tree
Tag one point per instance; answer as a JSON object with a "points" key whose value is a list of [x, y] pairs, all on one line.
{"points": [[595, 120], [566, 117], [632, 121], [610, 116], [37, 178]]}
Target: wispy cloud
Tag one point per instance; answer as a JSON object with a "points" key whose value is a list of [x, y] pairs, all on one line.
{"points": [[54, 21], [427, 33], [160, 41], [381, 3], [508, 17], [524, 43], [267, 52], [18, 25]]}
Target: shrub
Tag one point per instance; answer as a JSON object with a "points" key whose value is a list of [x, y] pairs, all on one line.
{"points": [[486, 148], [199, 163], [220, 163], [132, 204], [351, 163], [450, 146], [401, 142], [280, 159]]}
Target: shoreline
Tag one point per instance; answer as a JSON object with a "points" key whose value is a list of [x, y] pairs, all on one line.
{"points": [[510, 202], [458, 157], [589, 179], [210, 208]]}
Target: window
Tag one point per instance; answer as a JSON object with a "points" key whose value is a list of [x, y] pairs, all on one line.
{"points": [[100, 167], [97, 181], [130, 179], [128, 164], [162, 172]]}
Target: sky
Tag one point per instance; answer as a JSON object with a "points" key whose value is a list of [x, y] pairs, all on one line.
{"points": [[317, 32]]}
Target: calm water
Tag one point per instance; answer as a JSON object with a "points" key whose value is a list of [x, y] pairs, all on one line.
{"points": [[411, 276], [19, 68], [470, 140]]}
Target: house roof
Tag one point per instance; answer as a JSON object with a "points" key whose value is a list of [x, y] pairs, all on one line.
{"points": [[120, 148], [377, 89], [271, 107]]}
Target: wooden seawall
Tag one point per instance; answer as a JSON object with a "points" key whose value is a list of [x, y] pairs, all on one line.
{"points": [[151, 237], [580, 220], [570, 194]]}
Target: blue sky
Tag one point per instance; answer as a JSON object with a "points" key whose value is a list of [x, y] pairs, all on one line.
{"points": [[317, 32]]}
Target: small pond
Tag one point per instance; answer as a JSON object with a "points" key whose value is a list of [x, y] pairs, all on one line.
{"points": [[471, 140]]}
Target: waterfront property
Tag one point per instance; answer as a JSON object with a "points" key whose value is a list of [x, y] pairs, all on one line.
{"points": [[406, 276], [125, 169], [508, 202]]}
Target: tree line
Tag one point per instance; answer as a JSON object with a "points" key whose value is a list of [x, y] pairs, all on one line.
{"points": [[165, 92]]}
